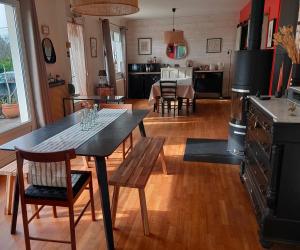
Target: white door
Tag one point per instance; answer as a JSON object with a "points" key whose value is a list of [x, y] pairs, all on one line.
{"points": [[15, 105]]}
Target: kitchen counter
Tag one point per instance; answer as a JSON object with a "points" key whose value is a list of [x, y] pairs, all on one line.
{"points": [[144, 73], [209, 71], [277, 108]]}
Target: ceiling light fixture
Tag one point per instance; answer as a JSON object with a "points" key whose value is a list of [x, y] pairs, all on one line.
{"points": [[104, 7], [174, 36]]}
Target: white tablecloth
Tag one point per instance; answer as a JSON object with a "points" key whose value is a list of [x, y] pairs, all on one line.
{"points": [[184, 89]]}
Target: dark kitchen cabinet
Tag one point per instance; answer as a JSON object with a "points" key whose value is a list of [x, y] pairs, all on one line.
{"points": [[208, 82], [271, 170], [135, 87], [139, 85]]}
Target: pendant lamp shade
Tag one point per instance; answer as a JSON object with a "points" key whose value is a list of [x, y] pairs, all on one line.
{"points": [[174, 37], [104, 7]]}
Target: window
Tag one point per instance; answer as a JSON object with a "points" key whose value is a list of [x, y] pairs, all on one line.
{"points": [[14, 108], [77, 58], [117, 50]]}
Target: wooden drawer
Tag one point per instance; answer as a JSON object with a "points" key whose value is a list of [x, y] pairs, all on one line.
{"points": [[258, 172], [257, 205]]}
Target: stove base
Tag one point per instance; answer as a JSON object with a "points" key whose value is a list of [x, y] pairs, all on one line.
{"points": [[236, 139]]}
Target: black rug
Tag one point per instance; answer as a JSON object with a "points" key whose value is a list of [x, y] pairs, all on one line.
{"points": [[208, 150]]}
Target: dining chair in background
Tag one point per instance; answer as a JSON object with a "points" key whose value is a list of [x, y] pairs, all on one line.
{"points": [[130, 137], [52, 183], [168, 95]]}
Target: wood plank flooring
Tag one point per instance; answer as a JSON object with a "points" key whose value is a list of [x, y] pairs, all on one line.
{"points": [[197, 206]]}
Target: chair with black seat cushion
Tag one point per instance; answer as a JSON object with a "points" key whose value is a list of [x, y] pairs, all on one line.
{"points": [[168, 94], [52, 183]]}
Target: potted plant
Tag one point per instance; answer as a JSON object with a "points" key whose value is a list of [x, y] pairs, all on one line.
{"points": [[10, 106], [286, 39]]}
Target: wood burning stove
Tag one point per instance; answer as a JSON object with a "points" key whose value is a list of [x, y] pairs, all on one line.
{"points": [[252, 76]]}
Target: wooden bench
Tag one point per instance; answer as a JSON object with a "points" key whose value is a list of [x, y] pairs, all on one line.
{"points": [[10, 172], [135, 171]]}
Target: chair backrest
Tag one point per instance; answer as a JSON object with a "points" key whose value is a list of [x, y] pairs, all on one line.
{"points": [[115, 106], [168, 89], [46, 169]]}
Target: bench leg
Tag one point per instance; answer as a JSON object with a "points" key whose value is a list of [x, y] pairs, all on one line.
{"points": [[114, 204], [163, 161], [34, 208], [10, 180], [144, 211], [85, 161]]}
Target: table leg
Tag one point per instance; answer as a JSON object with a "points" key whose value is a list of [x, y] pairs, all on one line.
{"points": [[104, 196], [142, 129], [73, 104], [15, 207], [64, 106]]}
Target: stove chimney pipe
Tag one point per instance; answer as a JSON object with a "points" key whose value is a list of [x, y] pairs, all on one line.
{"points": [[256, 22]]}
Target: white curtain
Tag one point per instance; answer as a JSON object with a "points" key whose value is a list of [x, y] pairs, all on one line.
{"points": [[77, 57]]}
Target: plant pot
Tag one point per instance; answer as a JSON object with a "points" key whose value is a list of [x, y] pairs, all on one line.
{"points": [[295, 75], [10, 110]]}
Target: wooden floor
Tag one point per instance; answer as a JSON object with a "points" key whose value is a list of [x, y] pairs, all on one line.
{"points": [[197, 206]]}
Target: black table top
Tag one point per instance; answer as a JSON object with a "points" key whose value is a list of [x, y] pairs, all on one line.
{"points": [[95, 97], [102, 144]]}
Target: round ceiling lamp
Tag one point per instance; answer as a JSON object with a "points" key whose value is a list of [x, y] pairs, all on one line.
{"points": [[104, 7], [174, 36]]}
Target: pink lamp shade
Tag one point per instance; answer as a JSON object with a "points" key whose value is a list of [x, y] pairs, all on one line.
{"points": [[174, 37]]}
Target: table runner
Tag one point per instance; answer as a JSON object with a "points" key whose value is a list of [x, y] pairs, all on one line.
{"points": [[74, 137]]}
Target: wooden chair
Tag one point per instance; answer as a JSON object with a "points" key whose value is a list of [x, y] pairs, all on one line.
{"points": [[135, 171], [56, 186], [124, 150], [121, 106], [168, 94]]}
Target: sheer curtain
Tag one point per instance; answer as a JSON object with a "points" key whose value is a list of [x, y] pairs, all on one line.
{"points": [[77, 57], [37, 67]]}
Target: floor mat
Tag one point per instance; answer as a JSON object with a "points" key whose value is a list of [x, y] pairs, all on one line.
{"points": [[208, 150]]}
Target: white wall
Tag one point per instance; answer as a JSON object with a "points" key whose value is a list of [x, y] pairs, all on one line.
{"points": [[53, 14], [196, 31]]}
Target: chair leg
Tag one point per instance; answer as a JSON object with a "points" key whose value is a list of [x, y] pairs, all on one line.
{"points": [[72, 227], [131, 141], [10, 180], [54, 211], [163, 108], [92, 200], [25, 225], [188, 106], [123, 149], [163, 161], [114, 204], [144, 211]]}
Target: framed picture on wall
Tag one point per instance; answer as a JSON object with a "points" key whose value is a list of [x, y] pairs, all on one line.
{"points": [[214, 45], [93, 46], [145, 46], [271, 30]]}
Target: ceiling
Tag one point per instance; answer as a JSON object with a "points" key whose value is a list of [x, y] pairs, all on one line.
{"points": [[162, 8]]}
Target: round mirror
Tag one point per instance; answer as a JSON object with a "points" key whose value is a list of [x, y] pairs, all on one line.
{"points": [[177, 51], [48, 50]]}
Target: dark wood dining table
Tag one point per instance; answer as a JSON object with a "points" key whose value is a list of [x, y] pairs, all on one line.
{"points": [[101, 145]]}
